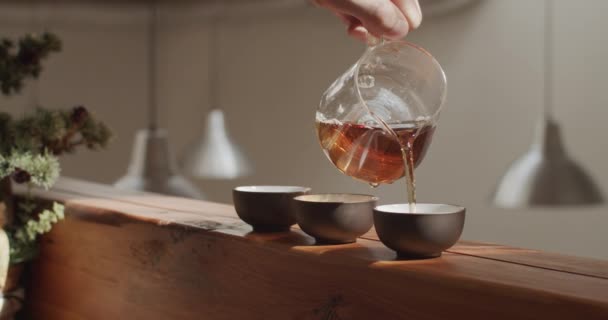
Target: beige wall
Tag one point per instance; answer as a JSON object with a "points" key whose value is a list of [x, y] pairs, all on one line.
{"points": [[274, 69]]}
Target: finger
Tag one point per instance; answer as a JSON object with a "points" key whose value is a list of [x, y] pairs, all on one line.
{"points": [[386, 21], [411, 11], [348, 20], [380, 17], [355, 28], [358, 31]]}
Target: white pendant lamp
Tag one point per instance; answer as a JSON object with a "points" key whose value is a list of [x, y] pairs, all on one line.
{"points": [[152, 165], [546, 175], [214, 155]]}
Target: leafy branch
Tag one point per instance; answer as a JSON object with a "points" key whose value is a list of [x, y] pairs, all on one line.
{"points": [[23, 60], [30, 145], [53, 131]]}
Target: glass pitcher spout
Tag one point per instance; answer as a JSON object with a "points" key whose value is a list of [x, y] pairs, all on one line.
{"points": [[373, 41]]}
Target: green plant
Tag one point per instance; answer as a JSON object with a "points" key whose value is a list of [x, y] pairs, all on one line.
{"points": [[30, 145]]}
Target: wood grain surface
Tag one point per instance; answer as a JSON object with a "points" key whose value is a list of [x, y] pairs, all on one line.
{"points": [[128, 255]]}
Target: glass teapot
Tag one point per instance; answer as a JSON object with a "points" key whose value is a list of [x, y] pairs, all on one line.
{"points": [[380, 111]]}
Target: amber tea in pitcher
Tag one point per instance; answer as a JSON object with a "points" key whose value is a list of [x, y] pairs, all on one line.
{"points": [[372, 154]]}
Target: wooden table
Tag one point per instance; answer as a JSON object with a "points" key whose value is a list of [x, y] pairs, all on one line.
{"points": [[128, 255]]}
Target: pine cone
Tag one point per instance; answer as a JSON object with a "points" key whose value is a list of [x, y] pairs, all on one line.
{"points": [[28, 57], [21, 176], [79, 115]]}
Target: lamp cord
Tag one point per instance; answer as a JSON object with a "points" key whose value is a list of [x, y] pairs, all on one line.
{"points": [[548, 60], [152, 57], [212, 64]]}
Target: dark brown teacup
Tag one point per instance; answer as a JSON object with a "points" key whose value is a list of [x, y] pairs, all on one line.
{"points": [[425, 233], [267, 208], [335, 218]]}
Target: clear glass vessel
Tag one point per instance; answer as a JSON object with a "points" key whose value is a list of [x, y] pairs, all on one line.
{"points": [[383, 108]]}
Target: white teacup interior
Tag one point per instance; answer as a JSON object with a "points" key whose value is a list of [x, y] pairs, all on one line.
{"points": [[421, 208], [272, 189], [337, 198]]}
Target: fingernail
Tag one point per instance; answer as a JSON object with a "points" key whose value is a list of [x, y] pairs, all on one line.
{"points": [[358, 31], [400, 30], [418, 19], [413, 13], [419, 14]]}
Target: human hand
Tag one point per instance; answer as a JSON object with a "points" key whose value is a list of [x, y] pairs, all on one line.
{"points": [[391, 19]]}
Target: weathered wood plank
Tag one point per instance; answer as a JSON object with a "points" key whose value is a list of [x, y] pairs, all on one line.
{"points": [[536, 258], [544, 260], [112, 259], [527, 257]]}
